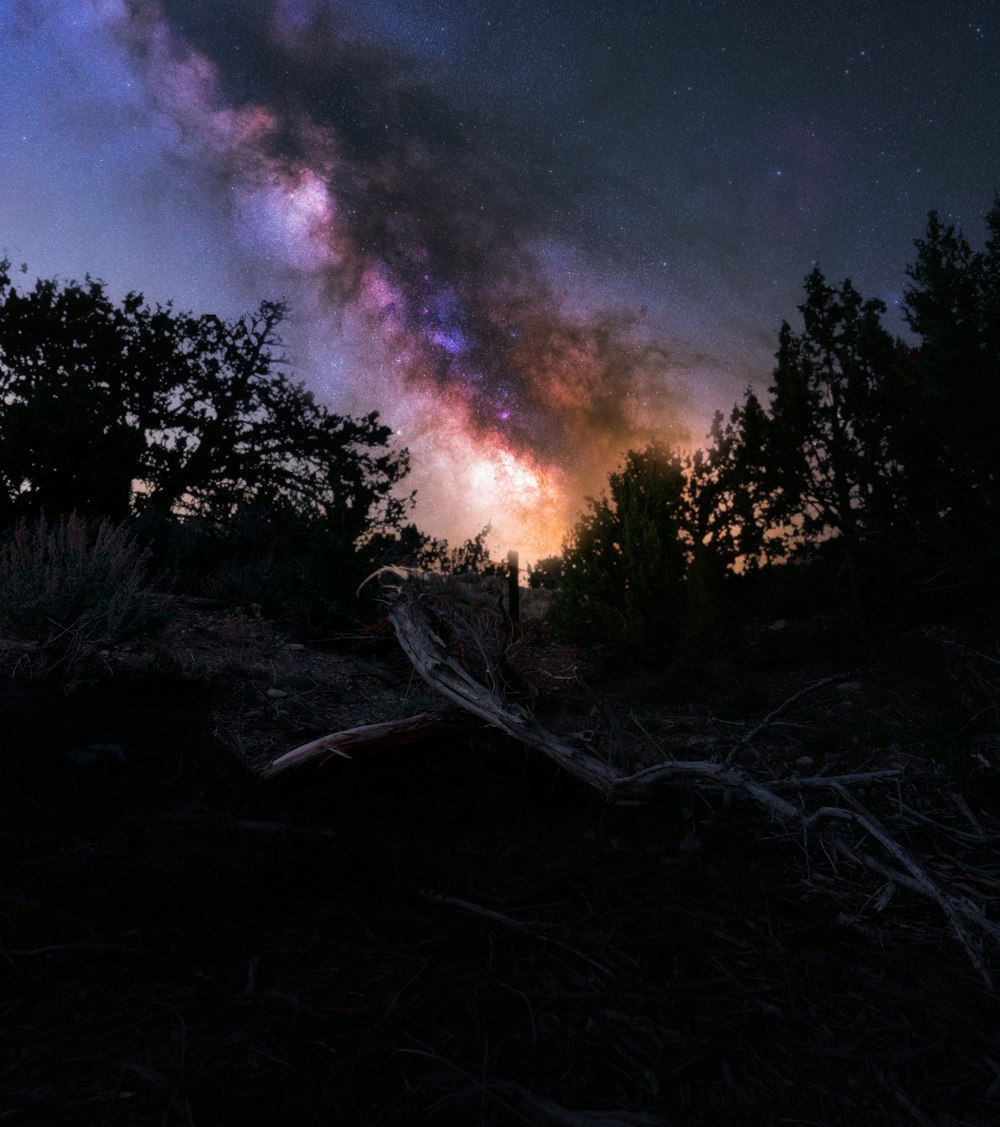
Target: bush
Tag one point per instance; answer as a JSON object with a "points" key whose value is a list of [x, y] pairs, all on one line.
{"points": [[546, 574], [625, 562], [74, 584]]}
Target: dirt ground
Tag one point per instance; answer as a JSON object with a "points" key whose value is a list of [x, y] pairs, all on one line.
{"points": [[449, 934]]}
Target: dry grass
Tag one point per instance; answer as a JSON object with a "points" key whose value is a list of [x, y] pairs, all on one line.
{"points": [[74, 586]]}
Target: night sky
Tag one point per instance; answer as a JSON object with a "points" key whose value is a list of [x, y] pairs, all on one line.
{"points": [[529, 234]]}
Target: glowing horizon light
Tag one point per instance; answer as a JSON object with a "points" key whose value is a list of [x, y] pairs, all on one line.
{"points": [[529, 502]]}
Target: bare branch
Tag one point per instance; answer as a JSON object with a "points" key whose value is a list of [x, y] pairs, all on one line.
{"points": [[391, 733], [770, 719], [412, 614]]}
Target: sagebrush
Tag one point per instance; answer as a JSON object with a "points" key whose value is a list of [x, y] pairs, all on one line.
{"points": [[74, 583]]}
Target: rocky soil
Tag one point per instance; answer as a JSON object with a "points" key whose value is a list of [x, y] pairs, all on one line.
{"points": [[454, 933]]}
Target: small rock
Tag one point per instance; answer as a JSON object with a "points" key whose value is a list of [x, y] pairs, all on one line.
{"points": [[276, 694], [804, 761], [778, 624], [848, 687], [294, 646]]}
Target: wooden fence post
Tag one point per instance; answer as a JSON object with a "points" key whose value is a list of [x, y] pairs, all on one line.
{"points": [[513, 589]]}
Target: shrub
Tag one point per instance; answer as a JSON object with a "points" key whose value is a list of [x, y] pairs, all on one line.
{"points": [[74, 584], [625, 561], [546, 574]]}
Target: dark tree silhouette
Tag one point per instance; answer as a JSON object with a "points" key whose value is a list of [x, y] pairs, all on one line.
{"points": [[867, 452], [546, 573], [953, 305], [625, 562], [472, 557], [69, 437], [830, 437], [120, 409], [730, 486]]}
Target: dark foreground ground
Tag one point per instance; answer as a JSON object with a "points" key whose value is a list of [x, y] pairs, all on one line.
{"points": [[180, 944]]}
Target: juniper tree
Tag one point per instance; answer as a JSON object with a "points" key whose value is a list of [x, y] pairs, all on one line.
{"points": [[115, 409], [829, 445], [626, 558], [953, 399]]}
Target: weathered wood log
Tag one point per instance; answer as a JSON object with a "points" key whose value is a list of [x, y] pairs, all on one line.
{"points": [[410, 614], [366, 737], [443, 673], [429, 657]]}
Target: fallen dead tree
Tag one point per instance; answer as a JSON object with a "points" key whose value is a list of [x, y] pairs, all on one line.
{"points": [[422, 622]]}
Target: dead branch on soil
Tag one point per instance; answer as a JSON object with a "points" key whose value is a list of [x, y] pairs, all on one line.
{"points": [[437, 642], [368, 737]]}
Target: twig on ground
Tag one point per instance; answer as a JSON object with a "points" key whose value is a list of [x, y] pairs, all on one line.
{"points": [[772, 717], [965, 809], [534, 931]]}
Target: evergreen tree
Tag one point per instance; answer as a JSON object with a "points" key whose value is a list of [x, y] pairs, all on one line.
{"points": [[829, 445], [731, 487], [546, 574], [953, 397], [990, 283], [626, 559]]}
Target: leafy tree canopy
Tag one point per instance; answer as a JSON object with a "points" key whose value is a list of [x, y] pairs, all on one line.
{"points": [[119, 409]]}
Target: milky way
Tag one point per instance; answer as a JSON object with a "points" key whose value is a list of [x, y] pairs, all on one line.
{"points": [[415, 228], [530, 233]]}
